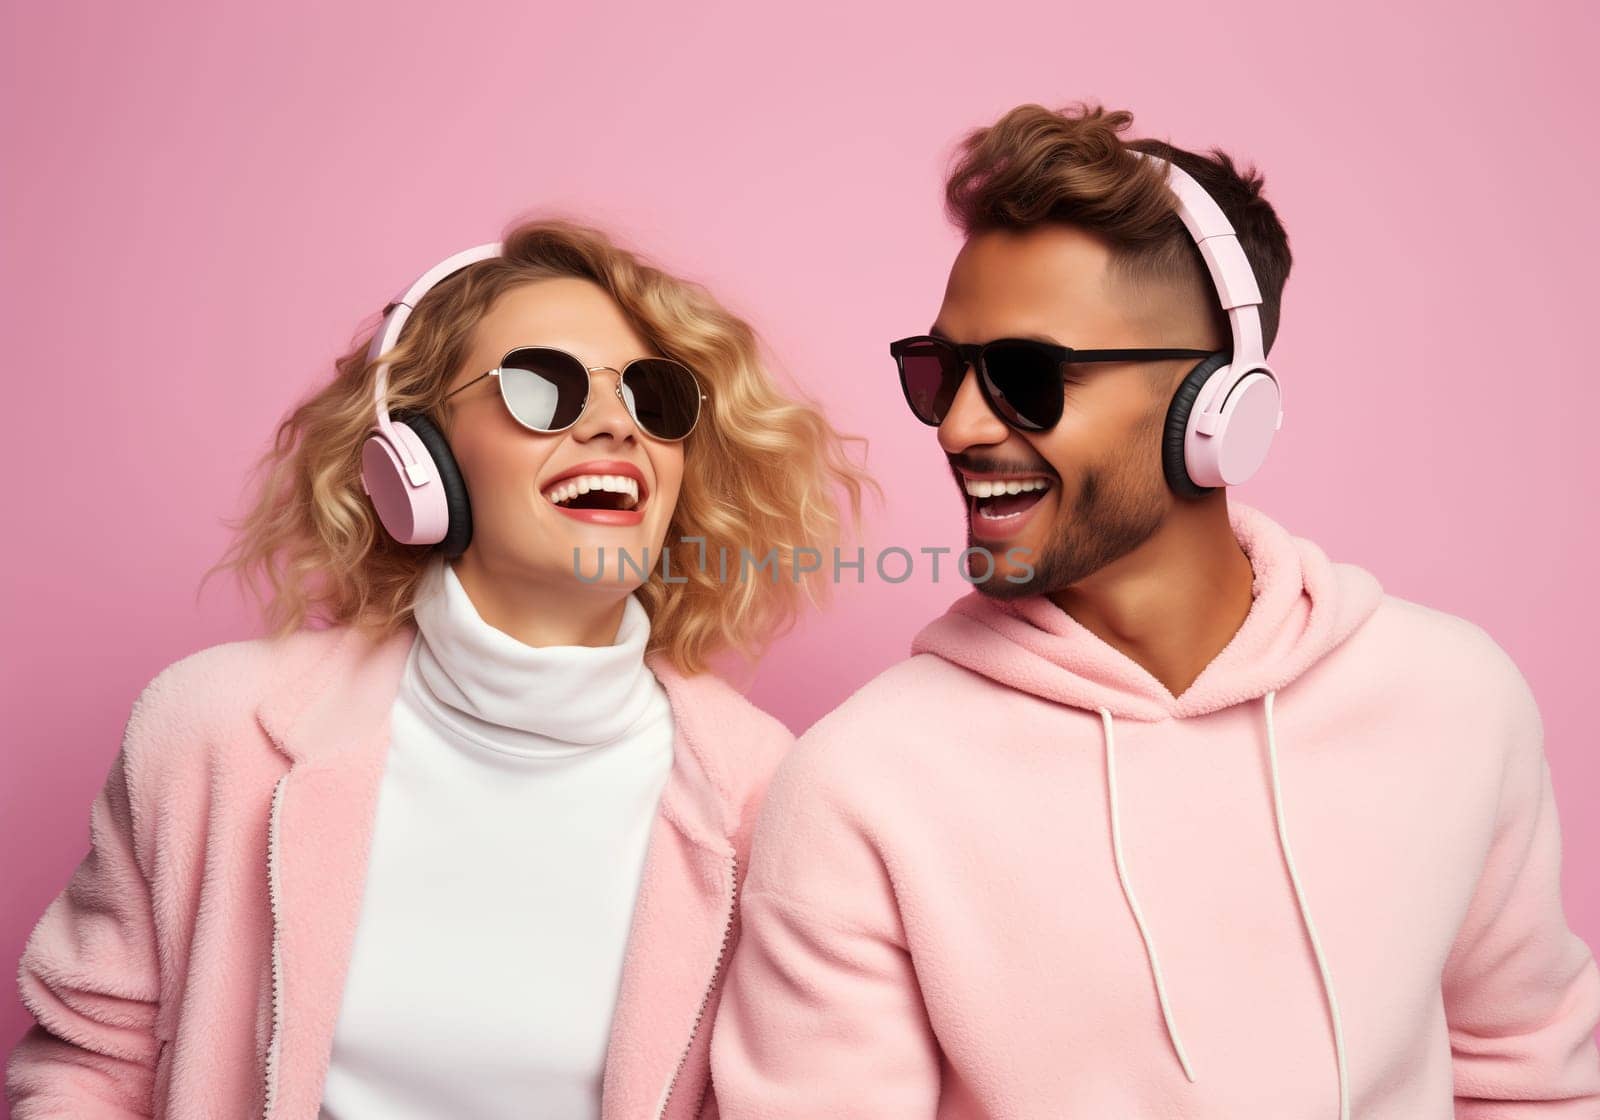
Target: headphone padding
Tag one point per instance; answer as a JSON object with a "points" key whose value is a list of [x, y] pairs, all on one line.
{"points": [[1177, 429], [459, 532]]}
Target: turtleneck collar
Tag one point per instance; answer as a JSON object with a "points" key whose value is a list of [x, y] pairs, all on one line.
{"points": [[536, 700]]}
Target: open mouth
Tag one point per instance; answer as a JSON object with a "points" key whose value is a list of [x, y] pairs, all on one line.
{"points": [[1001, 499], [595, 492]]}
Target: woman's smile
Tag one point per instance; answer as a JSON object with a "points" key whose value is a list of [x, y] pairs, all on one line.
{"points": [[600, 492]]}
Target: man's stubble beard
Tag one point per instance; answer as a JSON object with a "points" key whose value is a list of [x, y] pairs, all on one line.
{"points": [[1114, 511]]}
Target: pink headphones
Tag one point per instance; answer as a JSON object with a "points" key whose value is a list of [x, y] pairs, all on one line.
{"points": [[1225, 413], [1219, 425], [406, 465]]}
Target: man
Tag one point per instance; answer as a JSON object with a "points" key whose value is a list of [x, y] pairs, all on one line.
{"points": [[1178, 817]]}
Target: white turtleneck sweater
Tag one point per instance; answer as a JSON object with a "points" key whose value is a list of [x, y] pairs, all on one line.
{"points": [[512, 820]]}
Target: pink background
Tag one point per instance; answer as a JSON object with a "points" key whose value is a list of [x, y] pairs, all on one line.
{"points": [[202, 205]]}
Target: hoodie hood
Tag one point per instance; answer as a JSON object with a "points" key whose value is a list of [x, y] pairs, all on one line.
{"points": [[1305, 606]]}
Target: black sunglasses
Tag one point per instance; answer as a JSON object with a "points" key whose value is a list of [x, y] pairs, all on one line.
{"points": [[547, 389], [1020, 378]]}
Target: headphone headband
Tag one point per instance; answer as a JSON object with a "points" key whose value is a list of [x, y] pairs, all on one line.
{"points": [[399, 309], [394, 320], [1231, 274]]}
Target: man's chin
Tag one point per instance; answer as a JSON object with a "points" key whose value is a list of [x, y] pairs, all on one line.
{"points": [[1003, 590], [999, 576]]}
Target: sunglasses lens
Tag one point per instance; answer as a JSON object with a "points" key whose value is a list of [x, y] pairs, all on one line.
{"points": [[1024, 382], [663, 397], [930, 374], [545, 389]]}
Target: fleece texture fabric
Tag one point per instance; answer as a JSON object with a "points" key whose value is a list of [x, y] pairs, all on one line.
{"points": [[1014, 876], [193, 966]]}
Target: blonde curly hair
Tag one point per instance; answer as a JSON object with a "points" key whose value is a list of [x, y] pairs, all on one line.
{"points": [[762, 472]]}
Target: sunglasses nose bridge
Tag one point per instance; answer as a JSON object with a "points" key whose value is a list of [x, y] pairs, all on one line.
{"points": [[969, 358], [970, 420], [625, 393], [627, 405], [617, 387]]}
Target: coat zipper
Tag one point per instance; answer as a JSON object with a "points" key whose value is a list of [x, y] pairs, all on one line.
{"points": [[705, 998], [275, 1040]]}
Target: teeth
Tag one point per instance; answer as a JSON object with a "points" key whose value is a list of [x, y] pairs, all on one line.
{"points": [[570, 488], [982, 488]]}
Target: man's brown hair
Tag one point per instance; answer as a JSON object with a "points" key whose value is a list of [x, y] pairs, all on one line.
{"points": [[1038, 165]]}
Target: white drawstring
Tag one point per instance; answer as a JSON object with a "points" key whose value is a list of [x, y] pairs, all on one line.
{"points": [[1294, 879], [1305, 916], [1133, 903]]}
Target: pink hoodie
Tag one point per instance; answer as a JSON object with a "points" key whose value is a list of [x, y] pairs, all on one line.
{"points": [[193, 968], [1014, 876]]}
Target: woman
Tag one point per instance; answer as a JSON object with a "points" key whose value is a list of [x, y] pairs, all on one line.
{"points": [[469, 845]]}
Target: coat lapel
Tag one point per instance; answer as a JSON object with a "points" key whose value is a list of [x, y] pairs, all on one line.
{"points": [[328, 713], [331, 719], [674, 956], [656, 1061]]}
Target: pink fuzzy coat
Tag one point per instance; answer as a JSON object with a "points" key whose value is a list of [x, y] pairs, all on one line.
{"points": [[193, 967]]}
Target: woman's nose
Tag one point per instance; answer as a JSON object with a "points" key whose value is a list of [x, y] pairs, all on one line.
{"points": [[606, 413]]}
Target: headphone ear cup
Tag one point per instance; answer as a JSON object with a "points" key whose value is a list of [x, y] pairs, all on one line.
{"points": [[458, 533], [1176, 432]]}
